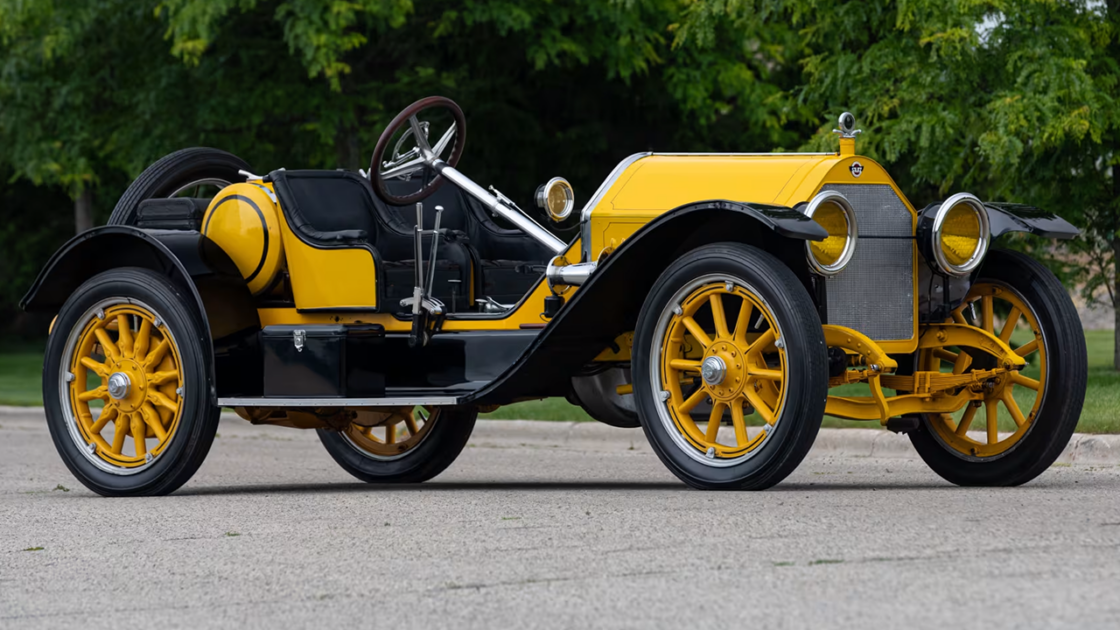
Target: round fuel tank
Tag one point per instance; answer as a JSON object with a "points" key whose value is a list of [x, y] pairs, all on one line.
{"points": [[244, 221]]}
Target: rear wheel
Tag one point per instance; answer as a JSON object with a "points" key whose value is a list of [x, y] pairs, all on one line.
{"points": [[408, 445], [731, 328], [125, 386], [1027, 417], [198, 172]]}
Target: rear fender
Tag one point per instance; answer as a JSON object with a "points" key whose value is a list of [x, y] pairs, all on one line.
{"points": [[194, 263]]}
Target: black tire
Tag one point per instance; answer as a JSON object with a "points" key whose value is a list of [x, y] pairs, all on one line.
{"points": [[199, 421], [596, 395], [807, 365], [424, 461], [1062, 397], [172, 172]]}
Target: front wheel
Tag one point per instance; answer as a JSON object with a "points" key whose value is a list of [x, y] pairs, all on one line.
{"points": [[408, 445], [730, 368], [1026, 417]]}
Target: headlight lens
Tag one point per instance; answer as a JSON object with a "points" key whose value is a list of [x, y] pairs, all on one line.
{"points": [[557, 198], [960, 234], [832, 211]]}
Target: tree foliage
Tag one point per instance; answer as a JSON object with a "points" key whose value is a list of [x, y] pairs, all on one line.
{"points": [[1010, 99]]}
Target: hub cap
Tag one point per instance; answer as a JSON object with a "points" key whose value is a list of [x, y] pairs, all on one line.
{"points": [[712, 370], [119, 385]]}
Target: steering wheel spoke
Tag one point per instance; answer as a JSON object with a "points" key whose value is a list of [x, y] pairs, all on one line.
{"points": [[444, 141], [420, 132], [403, 170]]}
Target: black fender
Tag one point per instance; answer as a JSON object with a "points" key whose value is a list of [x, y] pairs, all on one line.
{"points": [[608, 303], [225, 307], [1017, 217]]}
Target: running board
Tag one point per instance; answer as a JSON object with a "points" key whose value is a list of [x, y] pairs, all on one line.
{"points": [[403, 401]]}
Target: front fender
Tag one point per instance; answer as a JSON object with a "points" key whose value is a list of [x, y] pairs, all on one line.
{"points": [[608, 303], [193, 262], [1017, 217]]}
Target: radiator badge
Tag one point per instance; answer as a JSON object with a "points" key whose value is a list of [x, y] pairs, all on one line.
{"points": [[856, 168]]}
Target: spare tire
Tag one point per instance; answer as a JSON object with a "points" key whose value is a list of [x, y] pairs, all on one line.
{"points": [[177, 173]]}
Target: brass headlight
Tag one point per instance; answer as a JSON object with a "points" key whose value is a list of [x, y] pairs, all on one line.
{"points": [[832, 211], [556, 198], [959, 235]]}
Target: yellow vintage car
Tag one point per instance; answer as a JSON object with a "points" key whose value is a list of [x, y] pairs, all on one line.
{"points": [[724, 303]]}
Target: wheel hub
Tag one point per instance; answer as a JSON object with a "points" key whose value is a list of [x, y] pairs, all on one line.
{"points": [[713, 370], [131, 385], [119, 385], [723, 372]]}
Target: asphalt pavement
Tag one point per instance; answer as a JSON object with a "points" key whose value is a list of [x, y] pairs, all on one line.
{"points": [[526, 531]]}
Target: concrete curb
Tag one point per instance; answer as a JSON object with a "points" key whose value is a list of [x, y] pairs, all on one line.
{"points": [[1083, 448]]}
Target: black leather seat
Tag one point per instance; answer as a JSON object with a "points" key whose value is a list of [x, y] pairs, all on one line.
{"points": [[510, 262], [339, 209]]}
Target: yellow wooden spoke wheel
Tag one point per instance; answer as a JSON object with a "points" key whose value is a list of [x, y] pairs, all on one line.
{"points": [[721, 351], [122, 385], [400, 445], [1023, 419], [730, 368], [394, 434], [991, 427]]}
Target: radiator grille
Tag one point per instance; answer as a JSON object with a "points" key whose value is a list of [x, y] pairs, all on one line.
{"points": [[875, 292]]}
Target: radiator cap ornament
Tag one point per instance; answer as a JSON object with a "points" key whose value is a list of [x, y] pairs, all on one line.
{"points": [[847, 124]]}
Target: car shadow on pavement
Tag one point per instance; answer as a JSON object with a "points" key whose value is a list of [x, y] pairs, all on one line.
{"points": [[533, 486], [453, 486]]}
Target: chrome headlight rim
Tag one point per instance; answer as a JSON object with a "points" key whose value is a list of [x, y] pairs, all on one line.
{"points": [[545, 191], [983, 241], [833, 196]]}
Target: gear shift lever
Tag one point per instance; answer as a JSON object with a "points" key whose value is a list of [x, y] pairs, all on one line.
{"points": [[422, 303]]}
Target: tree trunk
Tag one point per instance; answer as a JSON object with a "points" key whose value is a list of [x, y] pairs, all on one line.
{"points": [[347, 151], [83, 211]]}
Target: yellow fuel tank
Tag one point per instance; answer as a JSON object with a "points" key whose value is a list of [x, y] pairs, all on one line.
{"points": [[243, 220]]}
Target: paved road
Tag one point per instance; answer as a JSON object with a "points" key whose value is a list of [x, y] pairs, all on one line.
{"points": [[271, 534]]}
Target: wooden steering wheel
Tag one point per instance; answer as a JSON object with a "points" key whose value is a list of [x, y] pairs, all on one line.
{"points": [[413, 153]]}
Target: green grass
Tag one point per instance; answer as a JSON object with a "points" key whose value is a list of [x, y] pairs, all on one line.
{"points": [[20, 369], [1101, 413]]}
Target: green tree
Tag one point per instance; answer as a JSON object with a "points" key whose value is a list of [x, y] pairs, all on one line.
{"points": [[1013, 100]]}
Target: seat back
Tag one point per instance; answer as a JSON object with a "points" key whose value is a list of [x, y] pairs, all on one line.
{"points": [[448, 195], [320, 202]]}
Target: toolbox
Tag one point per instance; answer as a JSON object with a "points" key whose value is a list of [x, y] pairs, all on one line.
{"points": [[323, 361]]}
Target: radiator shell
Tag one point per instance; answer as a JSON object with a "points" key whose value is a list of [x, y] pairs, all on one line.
{"points": [[874, 294]]}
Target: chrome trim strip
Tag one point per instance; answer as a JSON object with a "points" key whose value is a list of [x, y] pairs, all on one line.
{"points": [[782, 154], [585, 214], [338, 402]]}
